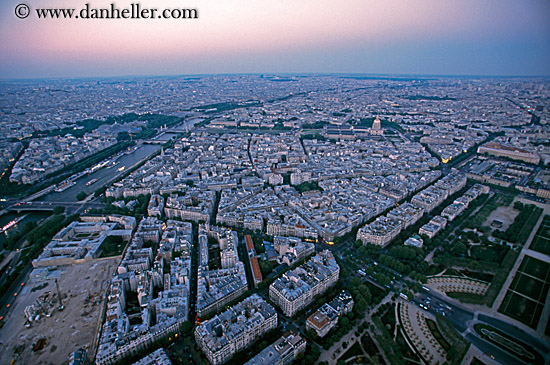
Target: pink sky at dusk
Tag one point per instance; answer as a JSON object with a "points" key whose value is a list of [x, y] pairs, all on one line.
{"points": [[426, 37]]}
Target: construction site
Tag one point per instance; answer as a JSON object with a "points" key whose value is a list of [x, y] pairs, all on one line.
{"points": [[56, 315]]}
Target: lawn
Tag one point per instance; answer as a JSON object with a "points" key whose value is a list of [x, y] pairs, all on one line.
{"points": [[519, 307], [112, 246], [525, 298], [535, 267], [541, 244], [438, 336], [489, 253], [354, 350], [530, 287], [369, 345], [478, 275]]}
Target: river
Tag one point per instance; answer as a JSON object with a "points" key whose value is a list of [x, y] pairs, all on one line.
{"points": [[103, 176]]}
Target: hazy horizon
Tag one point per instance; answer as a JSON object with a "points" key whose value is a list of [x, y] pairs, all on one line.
{"points": [[380, 76], [507, 38]]}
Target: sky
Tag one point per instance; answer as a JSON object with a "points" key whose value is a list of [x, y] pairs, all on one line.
{"points": [[423, 37]]}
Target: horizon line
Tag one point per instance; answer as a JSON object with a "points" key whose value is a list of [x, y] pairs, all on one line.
{"points": [[271, 74]]}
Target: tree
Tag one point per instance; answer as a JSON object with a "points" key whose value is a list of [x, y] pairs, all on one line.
{"points": [[99, 191], [311, 334], [476, 266], [259, 247], [459, 249], [365, 292], [266, 267], [344, 321], [58, 210], [81, 196], [123, 136], [355, 282], [361, 305]]}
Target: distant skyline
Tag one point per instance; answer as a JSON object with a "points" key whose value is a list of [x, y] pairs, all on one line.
{"points": [[425, 37]]}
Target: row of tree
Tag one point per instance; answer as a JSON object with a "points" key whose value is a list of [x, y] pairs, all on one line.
{"points": [[519, 231]]}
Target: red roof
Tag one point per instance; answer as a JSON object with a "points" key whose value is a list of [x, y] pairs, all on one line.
{"points": [[318, 320], [249, 243], [256, 268]]}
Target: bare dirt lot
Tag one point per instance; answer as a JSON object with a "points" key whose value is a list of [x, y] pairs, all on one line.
{"points": [[504, 214], [51, 339]]}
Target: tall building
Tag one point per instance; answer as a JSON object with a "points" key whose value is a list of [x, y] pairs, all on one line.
{"points": [[326, 317], [217, 287], [379, 232], [235, 329], [515, 153], [296, 289], [283, 351]]}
